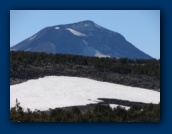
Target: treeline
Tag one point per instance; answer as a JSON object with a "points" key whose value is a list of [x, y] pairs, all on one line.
{"points": [[121, 66], [100, 113]]}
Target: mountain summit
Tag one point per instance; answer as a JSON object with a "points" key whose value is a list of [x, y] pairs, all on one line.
{"points": [[83, 38]]}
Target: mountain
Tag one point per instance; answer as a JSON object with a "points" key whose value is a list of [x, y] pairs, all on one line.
{"points": [[83, 38]]}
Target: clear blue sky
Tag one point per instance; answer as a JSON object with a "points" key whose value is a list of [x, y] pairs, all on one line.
{"points": [[139, 27]]}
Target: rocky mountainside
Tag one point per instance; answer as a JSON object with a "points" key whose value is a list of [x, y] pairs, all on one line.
{"points": [[82, 38]]}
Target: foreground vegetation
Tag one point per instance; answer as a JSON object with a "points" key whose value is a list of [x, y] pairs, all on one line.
{"points": [[100, 113], [123, 65]]}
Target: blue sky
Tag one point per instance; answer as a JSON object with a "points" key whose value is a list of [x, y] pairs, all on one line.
{"points": [[139, 27]]}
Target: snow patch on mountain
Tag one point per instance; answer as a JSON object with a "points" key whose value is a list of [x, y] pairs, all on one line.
{"points": [[85, 42], [57, 27], [75, 32], [31, 38], [63, 91], [99, 54]]}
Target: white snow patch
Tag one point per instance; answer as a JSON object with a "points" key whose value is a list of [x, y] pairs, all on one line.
{"points": [[75, 32], [62, 91], [57, 27], [99, 54], [115, 105], [85, 42], [31, 38]]}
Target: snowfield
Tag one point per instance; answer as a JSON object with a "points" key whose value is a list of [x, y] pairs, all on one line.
{"points": [[75, 32], [99, 54], [62, 91]]}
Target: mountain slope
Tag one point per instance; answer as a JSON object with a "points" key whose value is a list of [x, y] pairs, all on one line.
{"points": [[82, 38]]}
